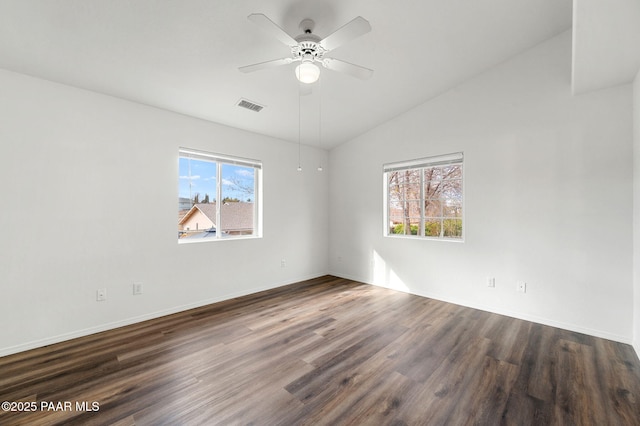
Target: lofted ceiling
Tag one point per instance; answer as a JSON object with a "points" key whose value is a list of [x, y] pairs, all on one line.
{"points": [[183, 56]]}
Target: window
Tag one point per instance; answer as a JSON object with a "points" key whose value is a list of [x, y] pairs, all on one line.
{"points": [[423, 198], [218, 197]]}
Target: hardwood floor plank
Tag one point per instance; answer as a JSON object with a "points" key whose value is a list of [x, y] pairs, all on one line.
{"points": [[523, 410], [534, 378], [487, 406], [618, 378], [328, 351], [543, 357], [443, 389], [507, 338], [576, 374]]}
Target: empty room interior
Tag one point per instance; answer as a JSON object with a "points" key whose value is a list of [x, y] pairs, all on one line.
{"points": [[320, 212]]}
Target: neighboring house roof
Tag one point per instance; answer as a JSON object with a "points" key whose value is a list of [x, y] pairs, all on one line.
{"points": [[234, 216], [208, 209], [237, 216]]}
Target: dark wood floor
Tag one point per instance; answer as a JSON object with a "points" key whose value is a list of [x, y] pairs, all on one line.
{"points": [[327, 351]]}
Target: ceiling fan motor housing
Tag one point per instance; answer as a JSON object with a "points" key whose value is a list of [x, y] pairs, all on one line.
{"points": [[308, 48]]}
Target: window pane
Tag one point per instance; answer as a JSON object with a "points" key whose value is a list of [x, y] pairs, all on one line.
{"points": [[452, 209], [432, 227], [452, 189], [394, 192], [451, 172], [432, 207], [404, 185], [408, 227], [196, 193], [404, 217], [409, 192], [237, 210], [408, 176], [452, 228], [411, 208], [393, 179], [433, 173], [396, 213]]}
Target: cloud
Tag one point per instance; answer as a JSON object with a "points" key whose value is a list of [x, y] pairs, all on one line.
{"points": [[194, 177], [244, 172]]}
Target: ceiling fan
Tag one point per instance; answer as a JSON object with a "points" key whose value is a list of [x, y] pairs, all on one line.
{"points": [[310, 50]]}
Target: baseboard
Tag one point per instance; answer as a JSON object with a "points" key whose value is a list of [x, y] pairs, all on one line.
{"points": [[513, 314], [140, 318]]}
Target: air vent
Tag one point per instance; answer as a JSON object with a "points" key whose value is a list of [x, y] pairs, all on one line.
{"points": [[250, 105]]}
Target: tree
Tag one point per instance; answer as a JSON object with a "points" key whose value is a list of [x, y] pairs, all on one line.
{"points": [[196, 198], [206, 199], [241, 186], [404, 187]]}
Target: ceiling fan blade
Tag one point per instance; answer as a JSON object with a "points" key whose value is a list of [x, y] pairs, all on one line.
{"points": [[270, 27], [265, 65], [346, 33], [347, 68]]}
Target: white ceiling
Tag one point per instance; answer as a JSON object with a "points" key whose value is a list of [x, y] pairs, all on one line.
{"points": [[183, 55]]}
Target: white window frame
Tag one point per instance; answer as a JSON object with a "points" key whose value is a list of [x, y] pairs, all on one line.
{"points": [[221, 160], [422, 164]]}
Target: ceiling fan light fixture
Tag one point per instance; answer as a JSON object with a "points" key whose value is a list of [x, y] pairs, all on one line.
{"points": [[307, 72]]}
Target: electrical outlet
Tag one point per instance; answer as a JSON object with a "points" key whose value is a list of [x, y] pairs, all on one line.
{"points": [[101, 294], [491, 282], [137, 288], [521, 286], [283, 263]]}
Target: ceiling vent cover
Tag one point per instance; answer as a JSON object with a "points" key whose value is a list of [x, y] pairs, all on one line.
{"points": [[250, 105]]}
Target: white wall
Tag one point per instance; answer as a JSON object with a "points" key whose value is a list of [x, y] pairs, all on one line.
{"points": [[606, 36], [636, 214], [548, 197], [88, 188]]}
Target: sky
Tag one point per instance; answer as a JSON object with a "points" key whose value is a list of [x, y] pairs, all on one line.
{"points": [[237, 181]]}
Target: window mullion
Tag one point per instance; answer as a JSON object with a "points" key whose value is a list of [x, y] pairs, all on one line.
{"points": [[442, 201], [218, 199], [422, 203], [387, 224], [255, 200]]}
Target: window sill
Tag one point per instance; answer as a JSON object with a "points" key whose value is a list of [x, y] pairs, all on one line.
{"points": [[210, 240], [416, 238]]}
